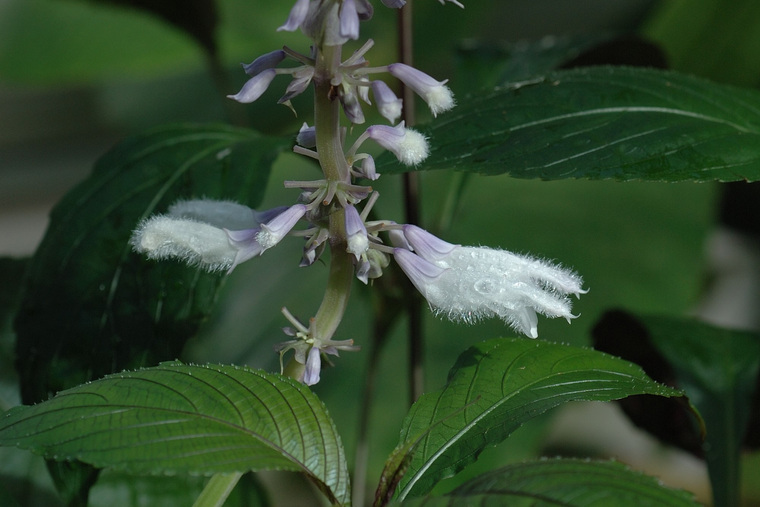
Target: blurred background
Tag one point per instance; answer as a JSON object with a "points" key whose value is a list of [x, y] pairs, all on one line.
{"points": [[76, 76]]}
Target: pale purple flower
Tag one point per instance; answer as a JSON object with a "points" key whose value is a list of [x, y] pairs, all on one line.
{"points": [[254, 87], [273, 231], [264, 62], [313, 367], [470, 283], [196, 232], [409, 146], [437, 95], [245, 243], [301, 79], [351, 105], [349, 20], [314, 246], [314, 359], [366, 169], [356, 233], [364, 9], [307, 136], [388, 104], [296, 17]]}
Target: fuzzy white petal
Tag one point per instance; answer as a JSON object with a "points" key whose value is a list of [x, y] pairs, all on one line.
{"points": [[196, 243]]}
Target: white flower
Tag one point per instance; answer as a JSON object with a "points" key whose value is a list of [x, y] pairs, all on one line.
{"points": [[214, 235], [471, 283]]}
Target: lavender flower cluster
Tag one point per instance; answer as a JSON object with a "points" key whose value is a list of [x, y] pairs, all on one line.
{"points": [[459, 282]]}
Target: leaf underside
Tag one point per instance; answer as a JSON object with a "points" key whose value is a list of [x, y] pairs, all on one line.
{"points": [[561, 482]]}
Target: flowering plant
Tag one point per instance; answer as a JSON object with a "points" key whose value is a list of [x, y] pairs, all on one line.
{"points": [[190, 218]]}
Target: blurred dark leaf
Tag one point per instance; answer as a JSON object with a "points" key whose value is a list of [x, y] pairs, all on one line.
{"points": [[601, 123], [561, 482], [489, 64], [91, 306], [197, 18], [717, 369], [716, 39]]}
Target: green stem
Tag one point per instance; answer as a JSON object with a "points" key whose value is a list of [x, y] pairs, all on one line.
{"points": [[412, 212], [335, 168], [217, 489]]}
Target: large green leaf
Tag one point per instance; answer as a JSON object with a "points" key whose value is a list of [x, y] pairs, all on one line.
{"points": [[561, 482], [177, 418], [497, 386], [92, 306], [601, 123]]}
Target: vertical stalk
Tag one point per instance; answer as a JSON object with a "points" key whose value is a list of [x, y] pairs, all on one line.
{"points": [[412, 211], [335, 169]]}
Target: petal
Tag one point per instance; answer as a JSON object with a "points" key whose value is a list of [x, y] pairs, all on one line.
{"points": [[196, 243], [264, 62], [426, 245], [349, 20], [296, 17], [254, 87], [273, 231], [222, 214], [313, 367]]}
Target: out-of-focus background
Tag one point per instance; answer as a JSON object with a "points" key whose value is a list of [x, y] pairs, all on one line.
{"points": [[76, 76]]}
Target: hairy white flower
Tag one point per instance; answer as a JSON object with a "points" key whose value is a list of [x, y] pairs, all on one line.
{"points": [[196, 243], [467, 283], [214, 235], [409, 146]]}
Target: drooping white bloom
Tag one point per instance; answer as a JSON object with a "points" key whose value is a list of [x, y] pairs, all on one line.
{"points": [[196, 243], [214, 235], [438, 96], [471, 283]]}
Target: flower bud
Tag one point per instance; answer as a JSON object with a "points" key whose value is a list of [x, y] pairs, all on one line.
{"points": [[254, 87], [388, 104], [438, 96]]}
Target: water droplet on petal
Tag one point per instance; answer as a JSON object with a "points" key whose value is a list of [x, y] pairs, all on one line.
{"points": [[484, 286]]}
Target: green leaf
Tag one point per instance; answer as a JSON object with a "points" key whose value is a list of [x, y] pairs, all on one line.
{"points": [[178, 418], [92, 306], [718, 369], [501, 384], [710, 38], [562, 482], [601, 123]]}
